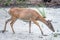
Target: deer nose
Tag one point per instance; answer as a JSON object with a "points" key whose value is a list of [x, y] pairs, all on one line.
{"points": [[52, 29]]}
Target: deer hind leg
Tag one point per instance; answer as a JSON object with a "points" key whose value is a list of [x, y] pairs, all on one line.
{"points": [[5, 25], [12, 22], [37, 25], [29, 26]]}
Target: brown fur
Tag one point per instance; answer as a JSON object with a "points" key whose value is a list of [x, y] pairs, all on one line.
{"points": [[26, 15]]}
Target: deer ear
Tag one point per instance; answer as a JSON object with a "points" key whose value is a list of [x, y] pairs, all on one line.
{"points": [[50, 20]]}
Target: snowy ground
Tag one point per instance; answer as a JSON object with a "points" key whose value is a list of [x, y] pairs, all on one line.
{"points": [[22, 28]]}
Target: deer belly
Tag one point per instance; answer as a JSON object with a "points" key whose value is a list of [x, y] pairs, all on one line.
{"points": [[25, 18]]}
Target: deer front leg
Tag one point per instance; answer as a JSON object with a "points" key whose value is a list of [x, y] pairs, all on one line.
{"points": [[37, 25], [29, 26], [5, 25], [12, 22]]}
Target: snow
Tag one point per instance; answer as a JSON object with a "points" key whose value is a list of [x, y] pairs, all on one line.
{"points": [[22, 28]]}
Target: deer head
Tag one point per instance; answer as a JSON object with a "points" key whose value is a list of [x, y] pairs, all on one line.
{"points": [[50, 25]]}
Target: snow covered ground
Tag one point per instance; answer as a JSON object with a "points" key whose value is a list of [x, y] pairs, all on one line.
{"points": [[22, 28]]}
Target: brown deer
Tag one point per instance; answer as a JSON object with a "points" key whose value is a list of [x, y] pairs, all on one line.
{"points": [[27, 15]]}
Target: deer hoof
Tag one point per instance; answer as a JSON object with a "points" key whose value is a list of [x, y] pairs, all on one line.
{"points": [[45, 35], [3, 31], [13, 32], [29, 32]]}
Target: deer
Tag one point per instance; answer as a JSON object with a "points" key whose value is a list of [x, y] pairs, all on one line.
{"points": [[29, 15]]}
